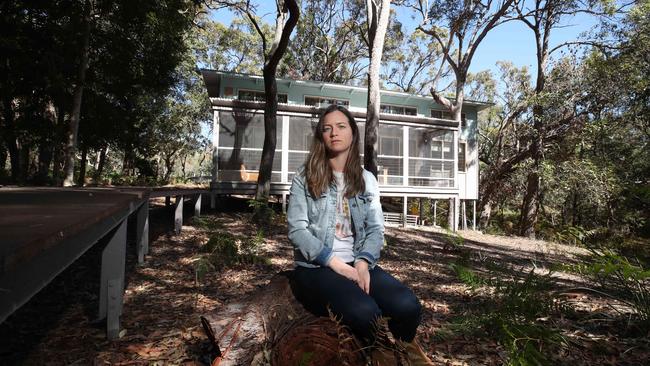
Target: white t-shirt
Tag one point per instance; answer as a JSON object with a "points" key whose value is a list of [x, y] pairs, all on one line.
{"points": [[343, 234]]}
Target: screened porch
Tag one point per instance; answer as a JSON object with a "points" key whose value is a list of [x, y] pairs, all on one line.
{"points": [[420, 156]]}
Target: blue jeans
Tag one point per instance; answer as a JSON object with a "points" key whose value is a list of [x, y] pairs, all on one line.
{"points": [[318, 288]]}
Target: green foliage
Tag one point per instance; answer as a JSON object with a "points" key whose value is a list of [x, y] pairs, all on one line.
{"points": [[202, 267], [467, 276], [511, 315], [573, 235], [134, 52], [252, 245], [453, 240], [224, 250], [622, 279], [206, 223], [263, 214]]}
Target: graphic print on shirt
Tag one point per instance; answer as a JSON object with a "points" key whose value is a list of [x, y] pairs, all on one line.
{"points": [[343, 222]]}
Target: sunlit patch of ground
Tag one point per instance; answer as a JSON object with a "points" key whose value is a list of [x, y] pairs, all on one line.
{"points": [[164, 298]]}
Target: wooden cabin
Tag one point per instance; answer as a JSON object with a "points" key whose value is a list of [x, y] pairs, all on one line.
{"points": [[422, 153]]}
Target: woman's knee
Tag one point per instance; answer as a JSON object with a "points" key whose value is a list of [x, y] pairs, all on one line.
{"points": [[406, 305], [362, 315]]}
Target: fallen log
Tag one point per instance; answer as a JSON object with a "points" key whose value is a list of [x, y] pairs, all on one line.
{"points": [[272, 327]]}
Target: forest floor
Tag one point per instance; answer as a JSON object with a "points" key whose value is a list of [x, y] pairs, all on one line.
{"points": [[164, 298]]}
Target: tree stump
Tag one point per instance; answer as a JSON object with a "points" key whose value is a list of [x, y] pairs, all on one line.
{"points": [[273, 327]]}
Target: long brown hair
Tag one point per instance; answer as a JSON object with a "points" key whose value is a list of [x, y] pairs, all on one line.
{"points": [[317, 168]]}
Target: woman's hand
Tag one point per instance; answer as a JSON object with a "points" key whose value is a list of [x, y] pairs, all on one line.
{"points": [[344, 269], [364, 275]]}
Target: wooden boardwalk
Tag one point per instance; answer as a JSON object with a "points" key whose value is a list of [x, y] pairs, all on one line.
{"points": [[44, 230]]}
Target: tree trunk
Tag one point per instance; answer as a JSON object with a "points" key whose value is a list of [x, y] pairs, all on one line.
{"points": [[169, 166], [100, 166], [44, 161], [272, 320], [183, 163], [271, 97], [3, 155], [82, 167], [486, 212], [530, 204], [73, 128], [378, 15], [23, 171], [10, 138]]}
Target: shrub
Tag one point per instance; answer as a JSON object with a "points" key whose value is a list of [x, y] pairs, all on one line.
{"points": [[263, 214], [224, 250], [512, 312], [622, 279]]}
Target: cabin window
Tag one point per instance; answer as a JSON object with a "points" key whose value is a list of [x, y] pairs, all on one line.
{"points": [[431, 158], [241, 136], [258, 96], [462, 163], [326, 101], [437, 113], [396, 109]]}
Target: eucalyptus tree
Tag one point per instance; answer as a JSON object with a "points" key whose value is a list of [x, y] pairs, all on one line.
{"points": [[415, 65], [77, 95], [287, 14], [502, 130], [378, 13], [543, 17], [458, 28], [329, 43], [617, 141], [234, 48]]}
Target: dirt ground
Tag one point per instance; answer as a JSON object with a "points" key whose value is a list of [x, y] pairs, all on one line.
{"points": [[164, 298]]}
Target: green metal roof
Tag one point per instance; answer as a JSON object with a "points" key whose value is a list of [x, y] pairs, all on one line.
{"points": [[213, 80]]}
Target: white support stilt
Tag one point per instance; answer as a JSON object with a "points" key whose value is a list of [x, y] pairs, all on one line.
{"points": [[452, 216], [142, 237], [178, 214], [464, 216], [197, 206], [404, 211], [435, 212], [474, 215], [456, 201], [284, 203], [111, 286], [420, 211]]}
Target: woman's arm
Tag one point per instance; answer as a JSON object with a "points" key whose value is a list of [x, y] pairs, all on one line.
{"points": [[302, 239]]}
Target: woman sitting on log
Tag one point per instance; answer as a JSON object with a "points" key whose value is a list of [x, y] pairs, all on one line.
{"points": [[336, 226]]}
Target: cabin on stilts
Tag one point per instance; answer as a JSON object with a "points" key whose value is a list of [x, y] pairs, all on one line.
{"points": [[422, 153]]}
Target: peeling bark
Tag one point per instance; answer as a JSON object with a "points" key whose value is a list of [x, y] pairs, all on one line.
{"points": [[378, 15]]}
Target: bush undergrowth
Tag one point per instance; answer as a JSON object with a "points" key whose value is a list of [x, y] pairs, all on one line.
{"points": [[224, 250], [511, 314], [622, 279]]}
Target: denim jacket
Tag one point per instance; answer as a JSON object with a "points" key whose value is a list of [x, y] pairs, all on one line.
{"points": [[312, 222]]}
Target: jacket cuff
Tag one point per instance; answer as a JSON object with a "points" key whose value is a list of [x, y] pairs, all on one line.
{"points": [[367, 257], [324, 256]]}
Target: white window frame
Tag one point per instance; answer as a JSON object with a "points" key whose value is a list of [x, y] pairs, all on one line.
{"points": [[463, 116], [321, 98], [259, 92], [399, 106], [464, 143]]}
